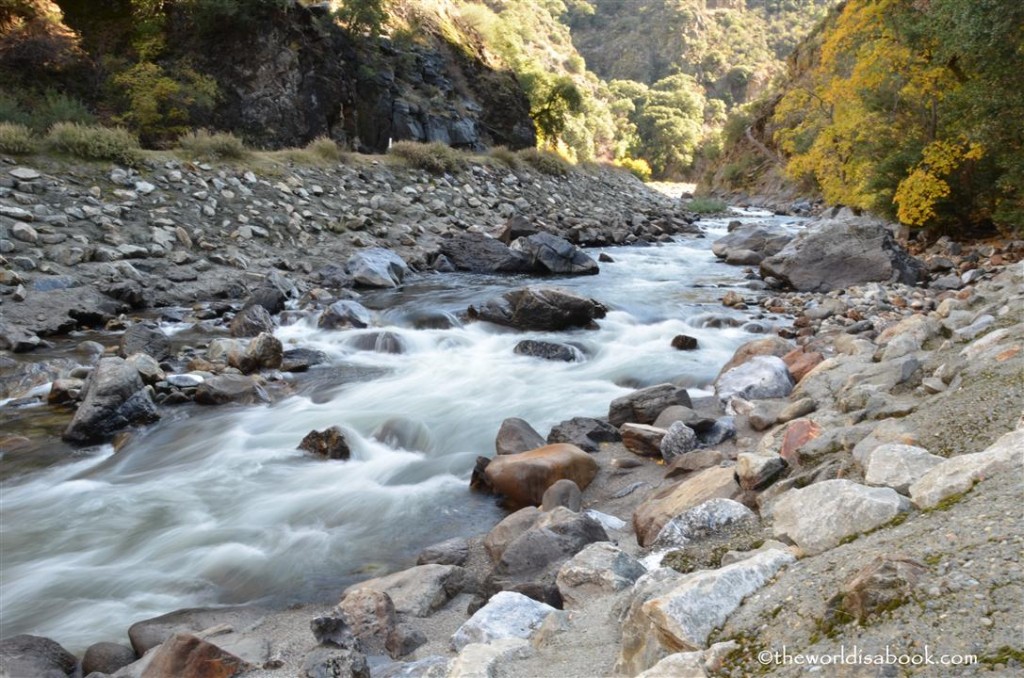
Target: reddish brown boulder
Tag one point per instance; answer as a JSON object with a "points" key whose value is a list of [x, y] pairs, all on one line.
{"points": [[798, 433], [776, 346], [186, 656], [523, 478], [800, 362]]}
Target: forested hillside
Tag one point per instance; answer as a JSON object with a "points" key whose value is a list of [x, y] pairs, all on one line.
{"points": [[908, 109]]}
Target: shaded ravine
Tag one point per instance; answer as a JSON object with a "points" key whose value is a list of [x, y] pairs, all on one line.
{"points": [[218, 507]]}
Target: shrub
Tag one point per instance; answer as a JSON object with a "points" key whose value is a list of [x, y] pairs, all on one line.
{"points": [[325, 149], [12, 111], [506, 157], [213, 145], [92, 142], [17, 139], [706, 205], [59, 107], [546, 162], [435, 157], [637, 166]]}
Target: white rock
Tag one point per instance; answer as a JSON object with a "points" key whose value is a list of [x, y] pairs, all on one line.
{"points": [[479, 660], [601, 567], [820, 516], [185, 380], [959, 474], [759, 378], [24, 173], [506, 615], [25, 233], [144, 187], [898, 466], [679, 440], [678, 665], [702, 601], [608, 522], [701, 521]]}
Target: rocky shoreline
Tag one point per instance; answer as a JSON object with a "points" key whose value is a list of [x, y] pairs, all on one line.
{"points": [[849, 483]]}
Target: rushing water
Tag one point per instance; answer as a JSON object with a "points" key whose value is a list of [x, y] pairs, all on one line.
{"points": [[216, 506]]}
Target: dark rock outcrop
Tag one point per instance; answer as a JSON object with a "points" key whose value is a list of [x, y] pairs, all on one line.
{"points": [[540, 309], [547, 350], [26, 655], [478, 253], [113, 398], [552, 254], [329, 443]]}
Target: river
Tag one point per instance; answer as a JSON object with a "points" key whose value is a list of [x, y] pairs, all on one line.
{"points": [[216, 506]]}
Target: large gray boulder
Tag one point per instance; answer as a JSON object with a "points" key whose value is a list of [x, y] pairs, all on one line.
{"points": [[376, 267], [343, 314], [644, 405], [113, 398], [601, 568], [762, 240], [959, 474], [702, 521], [144, 338], [515, 436], [478, 253], [418, 591], [552, 254], [763, 376], [585, 433], [26, 655], [898, 466], [838, 253], [506, 615], [540, 309]]}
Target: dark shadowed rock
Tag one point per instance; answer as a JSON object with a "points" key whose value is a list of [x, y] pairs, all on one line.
{"points": [[644, 406], [540, 309], [251, 321], [333, 632], [269, 297], [265, 352], [344, 313], [144, 338], [301, 359], [556, 255], [35, 657], [515, 436], [106, 658], [113, 398], [329, 443], [376, 267], [547, 350], [516, 227], [585, 433], [684, 342], [839, 253], [379, 342], [332, 663], [478, 253]]}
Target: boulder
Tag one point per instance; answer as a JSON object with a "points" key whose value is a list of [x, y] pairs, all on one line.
{"points": [[269, 297], [478, 253], [147, 367], [186, 656], [343, 314], [678, 440], [418, 591], [674, 413], [370, 616], [145, 338], [585, 433], [898, 466], [552, 254], [506, 615], [800, 361], [514, 228], [329, 444], [880, 586], [508, 529], [761, 240], [454, 551], [333, 631], [113, 398], [106, 658], [684, 617], [379, 342], [758, 378], [328, 662], [702, 521], [376, 267], [562, 493], [231, 388], [547, 350], [515, 436], [684, 342], [301, 359], [959, 474], [642, 440], [638, 652], [35, 656], [678, 665], [644, 405], [523, 478], [820, 516], [485, 660], [598, 569], [840, 253], [429, 667], [265, 352], [540, 309], [776, 346], [251, 321], [655, 511], [755, 472]]}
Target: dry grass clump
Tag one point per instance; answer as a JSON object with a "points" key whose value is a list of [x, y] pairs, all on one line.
{"points": [[93, 142]]}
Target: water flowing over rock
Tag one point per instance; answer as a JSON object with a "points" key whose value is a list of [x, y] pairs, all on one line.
{"points": [[836, 254], [344, 313], [540, 309], [113, 398], [547, 350]]}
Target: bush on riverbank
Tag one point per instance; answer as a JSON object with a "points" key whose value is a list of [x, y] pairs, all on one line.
{"points": [[213, 145], [546, 162], [92, 142], [436, 158], [706, 206], [17, 139]]}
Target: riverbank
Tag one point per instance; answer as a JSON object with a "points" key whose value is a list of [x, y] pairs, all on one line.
{"points": [[936, 365]]}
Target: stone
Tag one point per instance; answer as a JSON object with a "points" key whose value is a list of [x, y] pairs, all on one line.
{"points": [[638, 651], [523, 478], [188, 380], [144, 338], [547, 350], [333, 632], [25, 174], [25, 233], [508, 529], [798, 434], [678, 665], [674, 413], [335, 663], [186, 656], [775, 346], [684, 342], [840, 253], [659, 508], [552, 254], [680, 439], [755, 472], [542, 309], [562, 493], [599, 569], [898, 466], [35, 656], [147, 367], [230, 388], [801, 361], [644, 405], [371, 617], [482, 660], [642, 440], [516, 435], [454, 551], [106, 658], [344, 314], [585, 433], [506, 615], [251, 321], [700, 602], [759, 378], [329, 444], [762, 240], [959, 474], [64, 391], [269, 297], [764, 415], [698, 460], [301, 359], [113, 398], [265, 352], [376, 267], [478, 253], [418, 591], [882, 585], [820, 516], [702, 521], [428, 667]]}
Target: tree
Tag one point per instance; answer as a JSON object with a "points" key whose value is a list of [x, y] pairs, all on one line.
{"points": [[364, 15]]}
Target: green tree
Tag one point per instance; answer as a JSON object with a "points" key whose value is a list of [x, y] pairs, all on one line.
{"points": [[364, 15]]}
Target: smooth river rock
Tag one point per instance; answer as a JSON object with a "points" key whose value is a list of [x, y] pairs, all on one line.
{"points": [[523, 478]]}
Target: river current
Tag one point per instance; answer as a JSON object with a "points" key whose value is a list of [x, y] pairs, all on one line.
{"points": [[216, 506]]}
